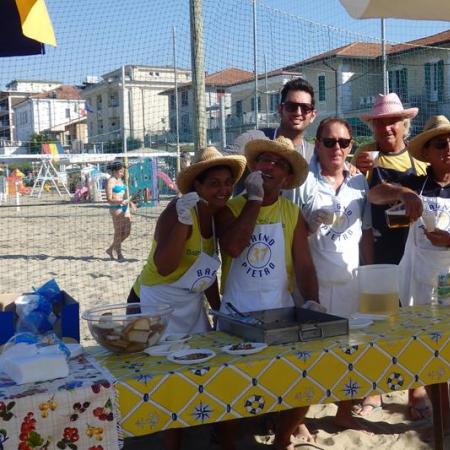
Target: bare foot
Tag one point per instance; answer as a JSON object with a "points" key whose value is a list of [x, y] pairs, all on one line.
{"points": [[369, 405], [109, 251], [302, 435], [120, 257]]}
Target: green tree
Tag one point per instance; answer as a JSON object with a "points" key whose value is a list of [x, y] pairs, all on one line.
{"points": [[36, 141]]}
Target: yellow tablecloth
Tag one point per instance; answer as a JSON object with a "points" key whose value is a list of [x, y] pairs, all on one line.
{"points": [[406, 350]]}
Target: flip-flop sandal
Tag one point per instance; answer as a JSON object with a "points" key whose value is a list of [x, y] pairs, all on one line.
{"points": [[373, 407]]}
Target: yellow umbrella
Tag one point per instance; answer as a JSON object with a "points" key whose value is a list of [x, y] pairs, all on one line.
{"points": [[36, 23]]}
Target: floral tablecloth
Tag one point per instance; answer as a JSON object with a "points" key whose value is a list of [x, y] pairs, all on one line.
{"points": [[73, 413]]}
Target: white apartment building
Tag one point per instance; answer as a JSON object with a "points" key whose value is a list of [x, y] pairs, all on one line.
{"points": [[52, 112], [132, 104], [15, 92]]}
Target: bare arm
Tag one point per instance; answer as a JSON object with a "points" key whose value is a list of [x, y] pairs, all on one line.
{"points": [[386, 193], [305, 272], [366, 247], [234, 232], [170, 235]]}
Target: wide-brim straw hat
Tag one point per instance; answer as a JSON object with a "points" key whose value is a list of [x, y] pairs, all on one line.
{"points": [[435, 126], [285, 148], [206, 159], [389, 105]]}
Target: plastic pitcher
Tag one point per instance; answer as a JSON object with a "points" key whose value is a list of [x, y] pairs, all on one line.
{"points": [[378, 288]]}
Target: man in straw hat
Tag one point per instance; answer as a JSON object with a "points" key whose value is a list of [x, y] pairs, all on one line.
{"points": [[427, 252], [264, 245], [386, 160]]}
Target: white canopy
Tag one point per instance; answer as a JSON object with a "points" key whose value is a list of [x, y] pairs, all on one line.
{"points": [[400, 9]]}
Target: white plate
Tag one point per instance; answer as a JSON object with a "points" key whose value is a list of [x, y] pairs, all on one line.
{"points": [[185, 355], [166, 349], [255, 348], [369, 316], [356, 324], [176, 337]]}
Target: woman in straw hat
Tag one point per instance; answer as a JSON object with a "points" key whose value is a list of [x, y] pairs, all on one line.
{"points": [[427, 202], [182, 263]]}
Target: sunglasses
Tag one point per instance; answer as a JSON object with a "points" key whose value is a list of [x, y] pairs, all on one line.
{"points": [[305, 108], [331, 142], [441, 144]]}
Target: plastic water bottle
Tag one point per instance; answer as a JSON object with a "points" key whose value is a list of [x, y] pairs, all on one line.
{"points": [[443, 289]]}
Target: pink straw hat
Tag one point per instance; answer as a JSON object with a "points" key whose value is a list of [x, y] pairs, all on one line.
{"points": [[389, 105]]}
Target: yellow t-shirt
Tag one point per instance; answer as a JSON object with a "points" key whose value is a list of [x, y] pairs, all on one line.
{"points": [[284, 211], [192, 248]]}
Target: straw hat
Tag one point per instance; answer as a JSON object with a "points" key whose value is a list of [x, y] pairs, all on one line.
{"points": [[284, 147], [435, 126], [389, 105], [208, 158]]}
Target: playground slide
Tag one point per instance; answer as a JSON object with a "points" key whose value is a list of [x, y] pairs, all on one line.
{"points": [[167, 181]]}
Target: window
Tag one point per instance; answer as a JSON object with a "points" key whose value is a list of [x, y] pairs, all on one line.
{"points": [[75, 108], [321, 80], [239, 108], [253, 103], [113, 100], [184, 98], [23, 118], [99, 102], [398, 83], [434, 81], [274, 101], [67, 113], [185, 123], [100, 124], [172, 101]]}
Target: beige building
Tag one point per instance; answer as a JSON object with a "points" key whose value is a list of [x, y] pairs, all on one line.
{"points": [[135, 107]]}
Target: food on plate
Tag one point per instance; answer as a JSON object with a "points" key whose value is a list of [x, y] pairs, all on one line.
{"points": [[191, 356], [242, 346]]}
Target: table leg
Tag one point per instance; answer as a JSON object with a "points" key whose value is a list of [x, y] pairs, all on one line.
{"points": [[438, 424]]}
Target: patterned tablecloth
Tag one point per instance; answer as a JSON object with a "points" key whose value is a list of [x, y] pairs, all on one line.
{"points": [[404, 351], [73, 413]]}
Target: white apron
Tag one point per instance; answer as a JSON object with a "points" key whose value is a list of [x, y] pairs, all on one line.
{"points": [[335, 252], [422, 261], [185, 295], [257, 279]]}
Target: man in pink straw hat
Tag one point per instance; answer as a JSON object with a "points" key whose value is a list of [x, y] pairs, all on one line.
{"points": [[386, 160]]}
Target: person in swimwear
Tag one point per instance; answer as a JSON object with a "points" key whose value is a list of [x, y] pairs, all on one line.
{"points": [[119, 207]]}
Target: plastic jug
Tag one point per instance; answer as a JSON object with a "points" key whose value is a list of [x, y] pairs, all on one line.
{"points": [[378, 288]]}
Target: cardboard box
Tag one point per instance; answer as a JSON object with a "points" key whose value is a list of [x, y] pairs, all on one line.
{"points": [[67, 324]]}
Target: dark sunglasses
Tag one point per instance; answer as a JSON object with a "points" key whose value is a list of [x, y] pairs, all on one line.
{"points": [[305, 108], [331, 142], [441, 144]]}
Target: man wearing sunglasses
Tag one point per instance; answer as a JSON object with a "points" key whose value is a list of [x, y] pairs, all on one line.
{"points": [[297, 112]]}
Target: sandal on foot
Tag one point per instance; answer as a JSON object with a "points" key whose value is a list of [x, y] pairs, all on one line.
{"points": [[369, 407]]}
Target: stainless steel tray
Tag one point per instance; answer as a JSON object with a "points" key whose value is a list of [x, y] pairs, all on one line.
{"points": [[283, 325]]}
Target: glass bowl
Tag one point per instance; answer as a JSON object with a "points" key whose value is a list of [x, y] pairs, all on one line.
{"points": [[120, 329]]}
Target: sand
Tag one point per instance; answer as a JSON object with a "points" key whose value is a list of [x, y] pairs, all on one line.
{"points": [[68, 241]]}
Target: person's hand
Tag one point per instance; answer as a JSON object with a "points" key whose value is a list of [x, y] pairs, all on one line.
{"points": [[184, 205], [364, 162], [439, 238], [413, 204], [314, 306], [320, 216], [254, 186]]}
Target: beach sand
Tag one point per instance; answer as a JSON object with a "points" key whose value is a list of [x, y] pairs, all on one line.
{"points": [[68, 241]]}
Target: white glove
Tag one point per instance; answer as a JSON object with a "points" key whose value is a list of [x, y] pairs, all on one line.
{"points": [[320, 216], [314, 306], [254, 186], [184, 205]]}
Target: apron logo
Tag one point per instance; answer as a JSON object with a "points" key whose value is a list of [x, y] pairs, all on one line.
{"points": [[205, 277], [258, 259]]}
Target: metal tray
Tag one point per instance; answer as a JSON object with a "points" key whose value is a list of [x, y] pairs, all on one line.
{"points": [[283, 325]]}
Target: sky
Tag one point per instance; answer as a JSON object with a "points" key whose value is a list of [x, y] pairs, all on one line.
{"points": [[95, 37]]}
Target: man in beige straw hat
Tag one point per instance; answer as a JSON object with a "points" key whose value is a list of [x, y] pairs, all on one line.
{"points": [[427, 252], [263, 239]]}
